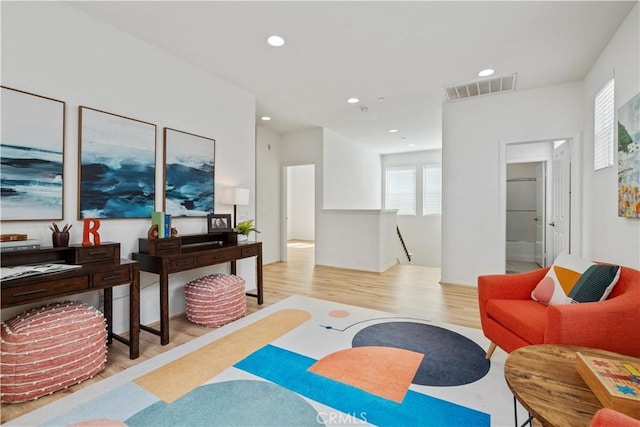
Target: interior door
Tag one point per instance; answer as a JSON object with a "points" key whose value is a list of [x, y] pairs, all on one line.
{"points": [[541, 217], [560, 224]]}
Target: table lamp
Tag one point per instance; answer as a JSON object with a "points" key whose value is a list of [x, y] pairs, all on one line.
{"points": [[235, 196]]}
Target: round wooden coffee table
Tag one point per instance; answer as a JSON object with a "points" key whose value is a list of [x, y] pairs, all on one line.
{"points": [[544, 379]]}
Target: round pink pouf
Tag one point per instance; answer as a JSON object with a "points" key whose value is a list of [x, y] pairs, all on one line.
{"points": [[215, 300], [48, 348]]}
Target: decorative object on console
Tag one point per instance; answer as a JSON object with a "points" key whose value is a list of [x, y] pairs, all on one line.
{"points": [[573, 279], [117, 166], [162, 222], [189, 173], [19, 245], [49, 348], [629, 159], [215, 300], [12, 237], [235, 197], [90, 228], [60, 238], [218, 223], [246, 227], [32, 141]]}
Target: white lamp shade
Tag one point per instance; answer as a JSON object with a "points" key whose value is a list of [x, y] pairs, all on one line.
{"points": [[235, 196]]}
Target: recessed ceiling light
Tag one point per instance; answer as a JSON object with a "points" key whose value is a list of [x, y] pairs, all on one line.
{"points": [[393, 130], [275, 41], [265, 118], [353, 100], [411, 145], [380, 99], [486, 73]]}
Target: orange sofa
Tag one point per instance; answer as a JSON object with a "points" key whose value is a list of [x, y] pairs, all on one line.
{"points": [[609, 418], [511, 319]]}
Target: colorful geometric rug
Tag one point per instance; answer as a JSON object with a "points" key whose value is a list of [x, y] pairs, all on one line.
{"points": [[304, 361]]}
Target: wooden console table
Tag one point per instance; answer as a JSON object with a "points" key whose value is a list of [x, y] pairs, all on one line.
{"points": [[175, 254], [101, 269], [544, 379]]}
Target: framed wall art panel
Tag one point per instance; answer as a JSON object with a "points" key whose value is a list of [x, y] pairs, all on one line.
{"points": [[629, 159], [189, 174], [117, 166], [32, 156]]}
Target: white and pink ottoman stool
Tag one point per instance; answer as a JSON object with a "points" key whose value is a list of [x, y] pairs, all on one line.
{"points": [[48, 348], [215, 300]]}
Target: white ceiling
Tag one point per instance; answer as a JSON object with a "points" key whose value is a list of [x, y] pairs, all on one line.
{"points": [[403, 52]]}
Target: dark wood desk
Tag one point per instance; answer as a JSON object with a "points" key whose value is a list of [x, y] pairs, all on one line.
{"points": [[544, 379], [175, 254], [101, 269]]}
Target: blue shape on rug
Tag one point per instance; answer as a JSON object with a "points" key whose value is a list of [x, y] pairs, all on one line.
{"points": [[450, 359], [119, 404], [231, 403], [289, 370]]}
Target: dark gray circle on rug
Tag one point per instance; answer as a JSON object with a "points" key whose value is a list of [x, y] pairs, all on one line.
{"points": [[450, 359], [231, 403]]}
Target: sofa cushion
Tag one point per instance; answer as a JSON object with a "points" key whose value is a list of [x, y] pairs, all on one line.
{"points": [[573, 279], [525, 318]]}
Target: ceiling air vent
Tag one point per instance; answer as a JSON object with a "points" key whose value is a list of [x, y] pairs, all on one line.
{"points": [[505, 83]]}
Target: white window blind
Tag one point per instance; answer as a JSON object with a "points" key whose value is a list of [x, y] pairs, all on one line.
{"points": [[603, 143], [400, 189], [432, 190]]}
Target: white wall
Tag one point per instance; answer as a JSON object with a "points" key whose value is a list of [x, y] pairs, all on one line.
{"points": [[422, 234], [608, 237], [355, 178], [55, 50], [301, 202], [474, 134], [359, 239], [268, 193]]}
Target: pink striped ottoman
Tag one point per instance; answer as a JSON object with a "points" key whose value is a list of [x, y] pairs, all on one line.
{"points": [[49, 348], [215, 300]]}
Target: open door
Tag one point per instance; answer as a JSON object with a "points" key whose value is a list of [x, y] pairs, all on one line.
{"points": [[541, 217], [560, 224]]}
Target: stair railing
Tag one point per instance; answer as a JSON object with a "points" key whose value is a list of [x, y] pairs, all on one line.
{"points": [[404, 246]]}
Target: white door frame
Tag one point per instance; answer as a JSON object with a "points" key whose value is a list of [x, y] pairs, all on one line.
{"points": [[576, 191]]}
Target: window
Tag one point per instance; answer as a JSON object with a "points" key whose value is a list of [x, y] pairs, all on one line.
{"points": [[432, 190], [400, 189], [604, 127]]}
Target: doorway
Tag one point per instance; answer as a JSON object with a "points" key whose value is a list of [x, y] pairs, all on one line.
{"points": [[553, 217], [299, 207], [526, 201]]}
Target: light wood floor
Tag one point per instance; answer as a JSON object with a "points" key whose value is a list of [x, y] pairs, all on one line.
{"points": [[408, 290]]}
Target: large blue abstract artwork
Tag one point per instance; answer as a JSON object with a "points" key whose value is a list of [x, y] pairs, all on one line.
{"points": [[189, 173], [117, 166], [31, 153]]}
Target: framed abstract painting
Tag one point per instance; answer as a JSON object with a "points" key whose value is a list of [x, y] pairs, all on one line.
{"points": [[629, 159], [116, 166], [189, 173], [32, 156]]}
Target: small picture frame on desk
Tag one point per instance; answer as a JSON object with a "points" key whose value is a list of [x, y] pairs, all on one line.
{"points": [[219, 223]]}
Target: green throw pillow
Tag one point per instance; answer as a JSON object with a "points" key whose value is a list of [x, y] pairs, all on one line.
{"points": [[595, 284]]}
